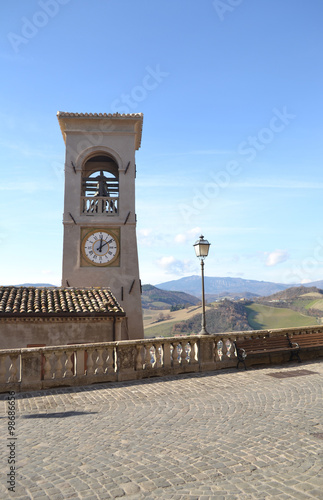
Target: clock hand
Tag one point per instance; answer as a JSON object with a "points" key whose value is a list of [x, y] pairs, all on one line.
{"points": [[100, 247], [105, 243]]}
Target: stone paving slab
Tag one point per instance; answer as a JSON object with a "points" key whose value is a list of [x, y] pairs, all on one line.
{"points": [[227, 435]]}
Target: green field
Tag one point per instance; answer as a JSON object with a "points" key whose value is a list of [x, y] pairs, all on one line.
{"points": [[311, 295], [309, 303], [162, 329], [262, 317], [316, 304]]}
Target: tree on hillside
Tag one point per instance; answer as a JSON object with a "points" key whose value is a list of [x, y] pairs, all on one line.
{"points": [[227, 316]]}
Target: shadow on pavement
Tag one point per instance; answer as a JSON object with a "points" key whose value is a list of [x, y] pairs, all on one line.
{"points": [[61, 414]]}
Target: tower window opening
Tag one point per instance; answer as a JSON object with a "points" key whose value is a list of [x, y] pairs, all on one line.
{"points": [[100, 186]]}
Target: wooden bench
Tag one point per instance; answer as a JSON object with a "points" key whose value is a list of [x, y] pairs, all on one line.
{"points": [[307, 341], [265, 345]]}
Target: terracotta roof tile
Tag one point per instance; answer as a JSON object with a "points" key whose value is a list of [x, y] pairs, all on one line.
{"points": [[53, 301], [99, 115]]}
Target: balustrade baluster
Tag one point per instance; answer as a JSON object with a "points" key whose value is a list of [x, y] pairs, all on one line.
{"points": [[183, 360], [139, 363], [89, 369], [47, 366], [175, 354], [158, 355], [147, 357], [153, 356], [110, 361], [58, 371], [228, 348], [167, 358], [104, 360], [219, 351], [193, 352], [69, 364], [13, 368], [99, 362]]}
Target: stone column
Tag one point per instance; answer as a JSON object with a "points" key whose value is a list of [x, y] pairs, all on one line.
{"points": [[118, 332], [206, 353], [31, 364]]}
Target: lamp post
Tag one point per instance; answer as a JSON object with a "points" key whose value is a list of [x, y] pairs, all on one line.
{"points": [[202, 249]]}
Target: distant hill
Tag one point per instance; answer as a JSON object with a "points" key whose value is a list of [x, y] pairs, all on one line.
{"points": [[293, 307], [293, 293], [211, 297], [303, 299], [218, 287], [317, 284], [226, 316], [47, 285], [154, 298]]}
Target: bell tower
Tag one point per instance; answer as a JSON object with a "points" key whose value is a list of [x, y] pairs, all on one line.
{"points": [[100, 244]]}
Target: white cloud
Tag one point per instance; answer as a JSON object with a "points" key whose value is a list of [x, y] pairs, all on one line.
{"points": [[171, 265], [165, 262], [144, 232], [190, 235], [276, 257], [148, 238]]}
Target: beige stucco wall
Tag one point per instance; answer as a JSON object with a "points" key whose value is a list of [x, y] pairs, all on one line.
{"points": [[18, 333]]}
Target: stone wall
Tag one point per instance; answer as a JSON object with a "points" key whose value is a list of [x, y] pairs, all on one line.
{"points": [[16, 333]]}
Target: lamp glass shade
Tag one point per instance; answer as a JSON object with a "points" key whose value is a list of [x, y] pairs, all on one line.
{"points": [[202, 247]]}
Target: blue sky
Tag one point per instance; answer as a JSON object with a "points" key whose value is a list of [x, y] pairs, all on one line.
{"points": [[232, 135]]}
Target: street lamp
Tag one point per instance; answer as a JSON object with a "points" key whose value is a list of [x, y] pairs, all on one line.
{"points": [[202, 249]]}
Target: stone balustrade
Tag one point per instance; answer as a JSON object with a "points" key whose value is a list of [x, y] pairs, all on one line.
{"points": [[84, 364], [98, 205]]}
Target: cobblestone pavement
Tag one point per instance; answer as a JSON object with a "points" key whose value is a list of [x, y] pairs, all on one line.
{"points": [[224, 435]]}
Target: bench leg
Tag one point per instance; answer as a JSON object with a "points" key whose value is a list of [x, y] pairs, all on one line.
{"points": [[295, 353], [241, 361]]}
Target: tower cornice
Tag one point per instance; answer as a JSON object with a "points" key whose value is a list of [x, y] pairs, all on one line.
{"points": [[105, 122]]}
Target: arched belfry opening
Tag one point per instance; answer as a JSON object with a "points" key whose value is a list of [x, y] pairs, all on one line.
{"points": [[100, 186]]}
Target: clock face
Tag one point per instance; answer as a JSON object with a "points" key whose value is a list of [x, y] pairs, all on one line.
{"points": [[100, 248]]}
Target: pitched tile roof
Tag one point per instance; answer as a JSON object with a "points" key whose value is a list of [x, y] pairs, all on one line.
{"points": [[55, 301]]}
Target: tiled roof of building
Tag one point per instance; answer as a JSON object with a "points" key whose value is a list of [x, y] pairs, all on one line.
{"points": [[57, 301]]}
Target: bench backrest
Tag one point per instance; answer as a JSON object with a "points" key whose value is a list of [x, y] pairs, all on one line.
{"points": [[263, 343], [308, 339]]}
